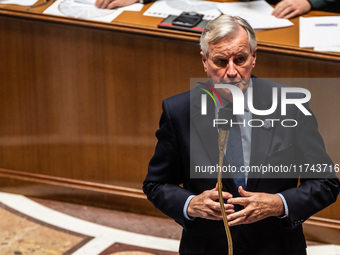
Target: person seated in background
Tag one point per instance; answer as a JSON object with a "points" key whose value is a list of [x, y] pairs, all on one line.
{"points": [[288, 9], [285, 9], [111, 4]]}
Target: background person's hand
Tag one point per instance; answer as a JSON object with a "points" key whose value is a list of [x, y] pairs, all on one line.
{"points": [[287, 9], [205, 206], [111, 4], [257, 206]]}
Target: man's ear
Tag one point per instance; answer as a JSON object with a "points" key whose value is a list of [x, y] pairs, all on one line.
{"points": [[204, 61], [254, 58]]}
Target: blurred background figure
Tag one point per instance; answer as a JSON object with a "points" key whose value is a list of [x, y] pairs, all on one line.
{"points": [[287, 9], [111, 4]]}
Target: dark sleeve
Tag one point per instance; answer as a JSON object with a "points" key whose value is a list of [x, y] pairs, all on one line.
{"points": [[313, 194], [165, 171], [317, 4]]}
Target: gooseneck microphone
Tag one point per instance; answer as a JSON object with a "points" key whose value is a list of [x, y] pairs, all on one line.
{"points": [[223, 130]]}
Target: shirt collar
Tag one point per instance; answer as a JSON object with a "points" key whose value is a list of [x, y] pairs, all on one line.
{"points": [[225, 102]]}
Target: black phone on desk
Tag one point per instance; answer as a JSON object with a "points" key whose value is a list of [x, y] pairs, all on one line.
{"points": [[188, 19], [189, 22]]}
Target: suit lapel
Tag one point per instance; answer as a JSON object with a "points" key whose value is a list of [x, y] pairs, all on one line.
{"points": [[202, 126]]}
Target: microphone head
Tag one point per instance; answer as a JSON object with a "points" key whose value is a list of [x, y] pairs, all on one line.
{"points": [[225, 114]]}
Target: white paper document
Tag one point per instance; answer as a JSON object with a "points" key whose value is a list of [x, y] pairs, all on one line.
{"points": [[164, 8], [328, 48], [85, 9], [257, 13], [329, 249], [19, 2], [320, 31], [85, 1]]}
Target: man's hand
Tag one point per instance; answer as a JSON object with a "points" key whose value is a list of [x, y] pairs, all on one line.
{"points": [[257, 206], [111, 4], [205, 206], [287, 9]]}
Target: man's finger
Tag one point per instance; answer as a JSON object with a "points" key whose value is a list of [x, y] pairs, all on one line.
{"points": [[282, 9], [230, 211], [285, 12], [120, 3], [104, 4], [113, 4], [226, 195], [244, 193], [214, 195], [217, 215], [278, 8], [291, 15], [237, 218], [217, 206], [236, 222], [98, 3], [238, 201]]}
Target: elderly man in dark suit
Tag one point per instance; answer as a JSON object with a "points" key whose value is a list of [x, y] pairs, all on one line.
{"points": [[265, 214]]}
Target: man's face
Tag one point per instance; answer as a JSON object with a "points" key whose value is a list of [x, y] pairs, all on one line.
{"points": [[230, 61]]}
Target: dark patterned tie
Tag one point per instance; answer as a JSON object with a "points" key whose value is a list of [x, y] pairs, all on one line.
{"points": [[234, 154]]}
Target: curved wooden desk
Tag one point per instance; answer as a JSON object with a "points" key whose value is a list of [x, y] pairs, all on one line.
{"points": [[81, 100]]}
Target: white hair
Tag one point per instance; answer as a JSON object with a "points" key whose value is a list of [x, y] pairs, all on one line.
{"points": [[223, 26]]}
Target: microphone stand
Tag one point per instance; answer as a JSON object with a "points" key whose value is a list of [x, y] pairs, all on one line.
{"points": [[224, 113]]}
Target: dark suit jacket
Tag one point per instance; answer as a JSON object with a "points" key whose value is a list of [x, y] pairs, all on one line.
{"points": [[170, 167]]}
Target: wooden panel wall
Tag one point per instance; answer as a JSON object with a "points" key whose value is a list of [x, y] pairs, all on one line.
{"points": [[85, 103]]}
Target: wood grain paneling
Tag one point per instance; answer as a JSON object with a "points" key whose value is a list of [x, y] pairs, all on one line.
{"points": [[85, 103], [322, 230]]}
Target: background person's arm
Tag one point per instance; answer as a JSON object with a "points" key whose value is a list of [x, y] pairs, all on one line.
{"points": [[288, 9]]}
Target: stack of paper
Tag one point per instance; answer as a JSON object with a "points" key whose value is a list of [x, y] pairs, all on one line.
{"points": [[164, 8], [85, 9], [19, 2], [257, 13], [322, 33]]}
